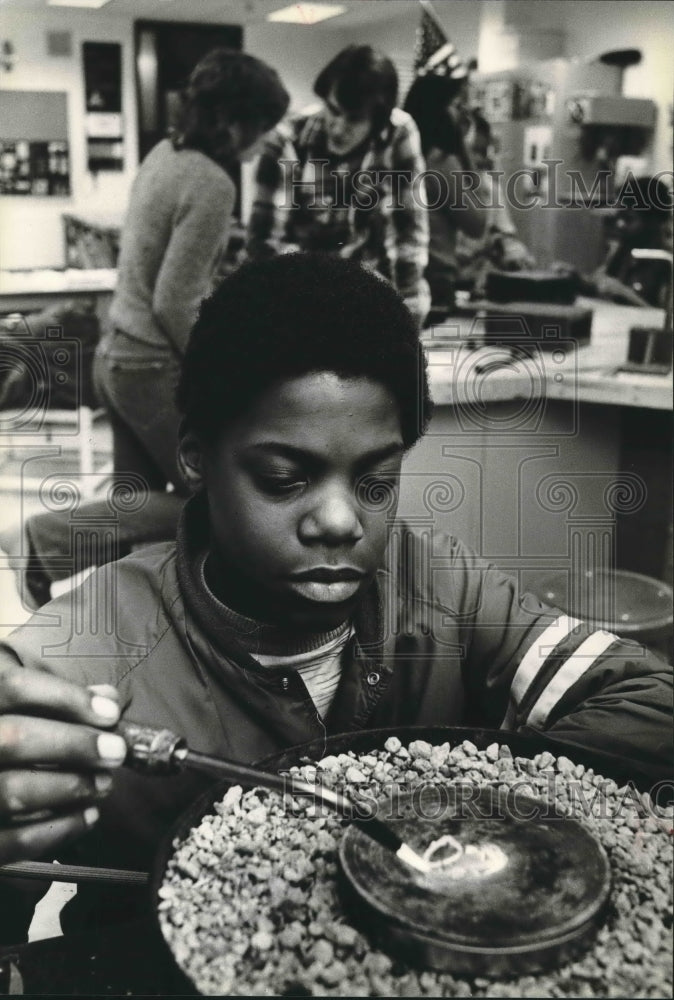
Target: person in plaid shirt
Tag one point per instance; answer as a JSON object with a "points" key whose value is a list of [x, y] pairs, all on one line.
{"points": [[347, 178]]}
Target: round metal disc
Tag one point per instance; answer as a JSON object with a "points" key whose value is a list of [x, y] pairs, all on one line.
{"points": [[518, 880]]}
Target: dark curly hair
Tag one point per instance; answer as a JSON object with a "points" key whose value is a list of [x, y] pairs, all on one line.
{"points": [[427, 101], [364, 81], [225, 88], [293, 315]]}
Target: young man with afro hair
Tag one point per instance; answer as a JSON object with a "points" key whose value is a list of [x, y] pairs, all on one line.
{"points": [[293, 604]]}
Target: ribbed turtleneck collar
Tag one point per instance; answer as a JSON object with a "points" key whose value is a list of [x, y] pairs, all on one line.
{"points": [[257, 637]]}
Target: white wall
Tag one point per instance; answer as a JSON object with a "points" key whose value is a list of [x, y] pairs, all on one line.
{"points": [[590, 28], [297, 53], [644, 24], [30, 227], [576, 29], [31, 233]]}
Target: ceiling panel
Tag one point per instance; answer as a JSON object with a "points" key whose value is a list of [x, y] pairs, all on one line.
{"points": [[230, 11]]}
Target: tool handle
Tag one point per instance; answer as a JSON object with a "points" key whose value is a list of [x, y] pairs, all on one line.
{"points": [[159, 751], [250, 777], [151, 750], [240, 774]]}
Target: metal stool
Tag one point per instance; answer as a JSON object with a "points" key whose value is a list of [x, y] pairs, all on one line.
{"points": [[632, 605]]}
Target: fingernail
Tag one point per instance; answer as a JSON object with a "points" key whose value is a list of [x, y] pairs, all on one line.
{"points": [[105, 708], [107, 689], [111, 748], [103, 783], [91, 815]]}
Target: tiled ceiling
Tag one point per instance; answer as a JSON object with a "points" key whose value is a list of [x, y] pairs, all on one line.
{"points": [[229, 11]]}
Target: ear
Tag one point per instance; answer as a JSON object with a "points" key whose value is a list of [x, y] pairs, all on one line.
{"points": [[191, 459]]}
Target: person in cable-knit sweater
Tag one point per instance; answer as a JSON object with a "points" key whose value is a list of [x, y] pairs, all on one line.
{"points": [[176, 227]]}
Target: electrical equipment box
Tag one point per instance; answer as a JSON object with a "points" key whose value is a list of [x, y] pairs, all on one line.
{"points": [[559, 127]]}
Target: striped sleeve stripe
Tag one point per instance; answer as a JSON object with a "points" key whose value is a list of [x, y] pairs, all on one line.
{"points": [[534, 660], [567, 675], [538, 652]]}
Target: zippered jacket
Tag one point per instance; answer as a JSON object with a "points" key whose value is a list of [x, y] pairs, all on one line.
{"points": [[441, 638]]}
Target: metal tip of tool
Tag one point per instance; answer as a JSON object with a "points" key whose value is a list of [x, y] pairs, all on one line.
{"points": [[411, 858]]}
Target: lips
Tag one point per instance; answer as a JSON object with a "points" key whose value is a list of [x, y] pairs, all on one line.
{"points": [[327, 584], [329, 574]]}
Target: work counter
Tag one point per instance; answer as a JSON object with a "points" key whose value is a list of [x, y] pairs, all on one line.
{"points": [[548, 459], [463, 372], [52, 281], [32, 291]]}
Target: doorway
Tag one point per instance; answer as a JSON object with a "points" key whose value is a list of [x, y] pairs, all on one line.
{"points": [[166, 53]]}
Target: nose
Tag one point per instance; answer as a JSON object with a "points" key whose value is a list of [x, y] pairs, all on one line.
{"points": [[334, 519]]}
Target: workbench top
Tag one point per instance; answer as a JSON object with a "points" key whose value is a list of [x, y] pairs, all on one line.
{"points": [[462, 371], [50, 281]]}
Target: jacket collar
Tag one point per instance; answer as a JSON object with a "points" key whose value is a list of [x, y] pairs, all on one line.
{"points": [[365, 674], [194, 542]]}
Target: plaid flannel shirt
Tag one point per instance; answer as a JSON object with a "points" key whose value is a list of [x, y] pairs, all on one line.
{"points": [[367, 206]]}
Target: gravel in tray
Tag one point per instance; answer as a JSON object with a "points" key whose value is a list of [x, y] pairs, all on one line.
{"points": [[250, 903]]}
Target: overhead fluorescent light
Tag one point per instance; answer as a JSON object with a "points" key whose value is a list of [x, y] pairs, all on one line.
{"points": [[306, 13], [91, 4]]}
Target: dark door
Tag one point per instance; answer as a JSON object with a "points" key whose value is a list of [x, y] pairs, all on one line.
{"points": [[166, 53]]}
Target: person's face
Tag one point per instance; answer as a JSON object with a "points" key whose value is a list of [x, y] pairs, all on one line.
{"points": [[231, 141], [478, 143], [459, 109], [345, 130], [301, 491]]}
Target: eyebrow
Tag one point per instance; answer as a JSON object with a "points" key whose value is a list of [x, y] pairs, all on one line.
{"points": [[337, 109], [290, 451]]}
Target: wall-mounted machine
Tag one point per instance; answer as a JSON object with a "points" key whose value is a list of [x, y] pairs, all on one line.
{"points": [[560, 126]]}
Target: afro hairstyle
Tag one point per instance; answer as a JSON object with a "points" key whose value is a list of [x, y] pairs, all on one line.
{"points": [[293, 315]]}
